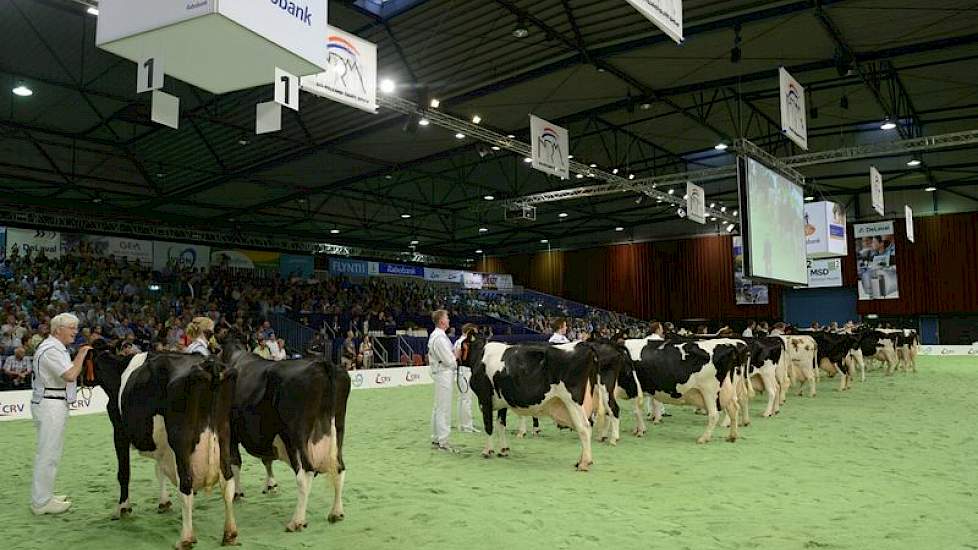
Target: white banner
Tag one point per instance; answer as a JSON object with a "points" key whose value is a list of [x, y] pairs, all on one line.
{"points": [[666, 14], [948, 350], [695, 203], [824, 273], [876, 190], [443, 275], [351, 72], [130, 249], [794, 122], [549, 147], [370, 379], [34, 240], [16, 405], [908, 213], [187, 256], [825, 229], [472, 280], [870, 229]]}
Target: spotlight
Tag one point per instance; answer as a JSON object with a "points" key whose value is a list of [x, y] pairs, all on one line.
{"points": [[562, 215], [681, 212], [92, 11], [460, 135], [568, 156], [476, 119], [735, 213], [809, 198], [723, 209], [730, 228], [527, 160], [592, 165], [672, 191], [544, 241], [619, 228], [930, 189], [435, 103], [631, 176], [483, 230], [721, 146], [913, 163], [479, 251], [580, 176], [387, 86], [511, 136], [22, 91], [405, 216], [334, 231], [887, 125], [712, 219], [645, 106], [424, 122], [414, 242], [614, 171], [521, 30], [495, 147], [97, 200], [489, 197], [712, 204]]}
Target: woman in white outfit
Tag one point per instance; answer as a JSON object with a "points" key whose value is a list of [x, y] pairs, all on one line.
{"points": [[560, 332], [653, 408], [54, 390], [464, 401], [200, 331]]}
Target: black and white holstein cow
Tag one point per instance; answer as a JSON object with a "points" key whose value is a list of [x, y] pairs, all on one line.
{"points": [[905, 343], [835, 355], [293, 411], [614, 363], [876, 345], [533, 380], [802, 352], [175, 409], [703, 374]]}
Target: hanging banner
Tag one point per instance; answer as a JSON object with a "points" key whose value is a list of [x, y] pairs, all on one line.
{"points": [[666, 14], [794, 123], [908, 214], [383, 268], [824, 273], [695, 203], [472, 280], [497, 281], [876, 261], [351, 71], [876, 190], [34, 241], [245, 259], [181, 255], [745, 291], [549, 148], [825, 229], [291, 265], [132, 250], [348, 267], [436, 275]]}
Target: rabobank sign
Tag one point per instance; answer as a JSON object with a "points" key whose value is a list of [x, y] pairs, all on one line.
{"points": [[343, 266], [301, 13], [402, 270]]}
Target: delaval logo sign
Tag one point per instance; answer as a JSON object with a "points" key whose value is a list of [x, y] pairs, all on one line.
{"points": [[355, 268], [301, 13]]}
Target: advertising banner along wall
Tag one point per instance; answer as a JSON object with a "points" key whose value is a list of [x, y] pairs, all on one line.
{"points": [[745, 291], [348, 267], [876, 261], [876, 190], [246, 259], [133, 250], [186, 256], [34, 240]]}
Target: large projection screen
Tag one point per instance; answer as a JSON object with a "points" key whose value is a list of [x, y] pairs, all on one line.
{"points": [[773, 224]]}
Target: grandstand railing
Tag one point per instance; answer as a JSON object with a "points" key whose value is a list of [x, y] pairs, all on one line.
{"points": [[295, 334]]}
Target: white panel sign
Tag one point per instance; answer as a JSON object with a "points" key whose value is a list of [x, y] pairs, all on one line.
{"points": [[370, 379], [876, 189], [286, 89], [550, 147], [149, 74], [133, 250], [443, 275], [268, 117], [666, 14], [908, 212], [166, 109], [824, 273], [296, 25], [794, 121], [825, 229], [695, 203], [16, 405], [351, 72], [869, 229], [472, 280], [120, 18], [34, 240], [185, 256]]}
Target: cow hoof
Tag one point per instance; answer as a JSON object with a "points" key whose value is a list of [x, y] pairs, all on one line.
{"points": [[520, 435], [581, 467], [238, 496], [230, 539], [487, 454], [640, 433], [613, 442], [271, 489], [333, 518], [122, 512], [731, 439], [703, 440], [164, 507], [603, 439], [186, 544], [504, 452], [537, 433], [295, 527]]}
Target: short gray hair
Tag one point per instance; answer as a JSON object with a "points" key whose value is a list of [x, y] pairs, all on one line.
{"points": [[63, 320]]}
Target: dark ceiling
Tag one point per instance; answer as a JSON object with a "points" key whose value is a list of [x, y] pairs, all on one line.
{"points": [[630, 97]]}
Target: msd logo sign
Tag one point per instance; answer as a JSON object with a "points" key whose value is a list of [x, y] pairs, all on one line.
{"points": [[301, 13]]}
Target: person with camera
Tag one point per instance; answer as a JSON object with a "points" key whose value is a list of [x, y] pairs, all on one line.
{"points": [[54, 390]]}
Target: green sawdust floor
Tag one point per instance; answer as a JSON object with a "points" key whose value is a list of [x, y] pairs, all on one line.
{"points": [[890, 464]]}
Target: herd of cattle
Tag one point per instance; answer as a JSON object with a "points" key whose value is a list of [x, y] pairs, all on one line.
{"points": [[192, 413]]}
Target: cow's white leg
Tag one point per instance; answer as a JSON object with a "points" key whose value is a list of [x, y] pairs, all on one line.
{"points": [[230, 525], [638, 407], [165, 502], [521, 429], [713, 416], [503, 436], [270, 484], [728, 400], [236, 474], [647, 407], [303, 481], [771, 388], [583, 428], [602, 425], [187, 538], [336, 513], [784, 381], [656, 411]]}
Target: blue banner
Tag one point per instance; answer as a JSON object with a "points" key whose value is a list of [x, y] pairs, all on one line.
{"points": [[343, 266], [398, 269], [300, 266]]}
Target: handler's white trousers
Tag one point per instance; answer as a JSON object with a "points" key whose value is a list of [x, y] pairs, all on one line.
{"points": [[50, 417], [441, 413], [464, 399]]}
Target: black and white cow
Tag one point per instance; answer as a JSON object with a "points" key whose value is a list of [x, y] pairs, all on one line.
{"points": [[768, 372], [802, 352], [874, 345], [905, 344], [533, 380], [614, 363], [703, 374], [834, 355], [293, 411], [174, 408]]}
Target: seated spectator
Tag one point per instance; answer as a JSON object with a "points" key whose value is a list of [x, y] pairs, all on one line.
{"points": [[348, 357], [262, 350], [17, 369], [366, 356], [280, 354]]}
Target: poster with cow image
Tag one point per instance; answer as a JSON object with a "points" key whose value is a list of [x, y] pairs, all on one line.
{"points": [[351, 72], [745, 291], [876, 261], [549, 148], [794, 122]]}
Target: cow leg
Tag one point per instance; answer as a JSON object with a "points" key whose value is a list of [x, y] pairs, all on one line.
{"points": [[521, 430], [784, 380], [656, 411], [647, 407], [184, 475], [640, 427], [336, 513], [122, 474], [488, 425], [303, 481], [583, 428], [612, 404], [770, 382], [270, 484], [536, 426], [165, 503], [230, 524], [503, 436], [728, 400], [712, 414]]}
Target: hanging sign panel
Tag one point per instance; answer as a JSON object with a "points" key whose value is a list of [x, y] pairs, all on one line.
{"points": [[550, 147], [351, 71], [824, 273], [908, 213], [876, 261], [695, 203], [793, 114], [876, 189], [666, 14]]}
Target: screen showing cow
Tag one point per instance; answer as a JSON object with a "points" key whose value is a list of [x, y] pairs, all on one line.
{"points": [[773, 224]]}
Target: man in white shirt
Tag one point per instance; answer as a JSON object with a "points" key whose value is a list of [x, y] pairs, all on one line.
{"points": [[441, 358], [560, 332], [749, 331]]}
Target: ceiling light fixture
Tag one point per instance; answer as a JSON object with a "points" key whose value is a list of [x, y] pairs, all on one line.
{"points": [[489, 197], [721, 146], [424, 122], [645, 106], [414, 242], [619, 228], [631, 176], [614, 171], [887, 125], [483, 230], [23, 91], [930, 189], [527, 160], [730, 228], [521, 30], [387, 86], [92, 10], [580, 176], [479, 251], [592, 165], [334, 231], [913, 163], [809, 198], [476, 119], [495, 147], [460, 135], [562, 215], [672, 191], [405, 216], [544, 241], [435, 103]]}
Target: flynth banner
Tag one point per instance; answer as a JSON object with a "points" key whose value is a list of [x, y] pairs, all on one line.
{"points": [[876, 261], [351, 73], [695, 203], [745, 291], [186, 256], [876, 190], [666, 14], [34, 240], [351, 268], [794, 123], [549, 147]]}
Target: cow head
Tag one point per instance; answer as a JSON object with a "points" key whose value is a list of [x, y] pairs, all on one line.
{"points": [[472, 349], [105, 367], [232, 342]]}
